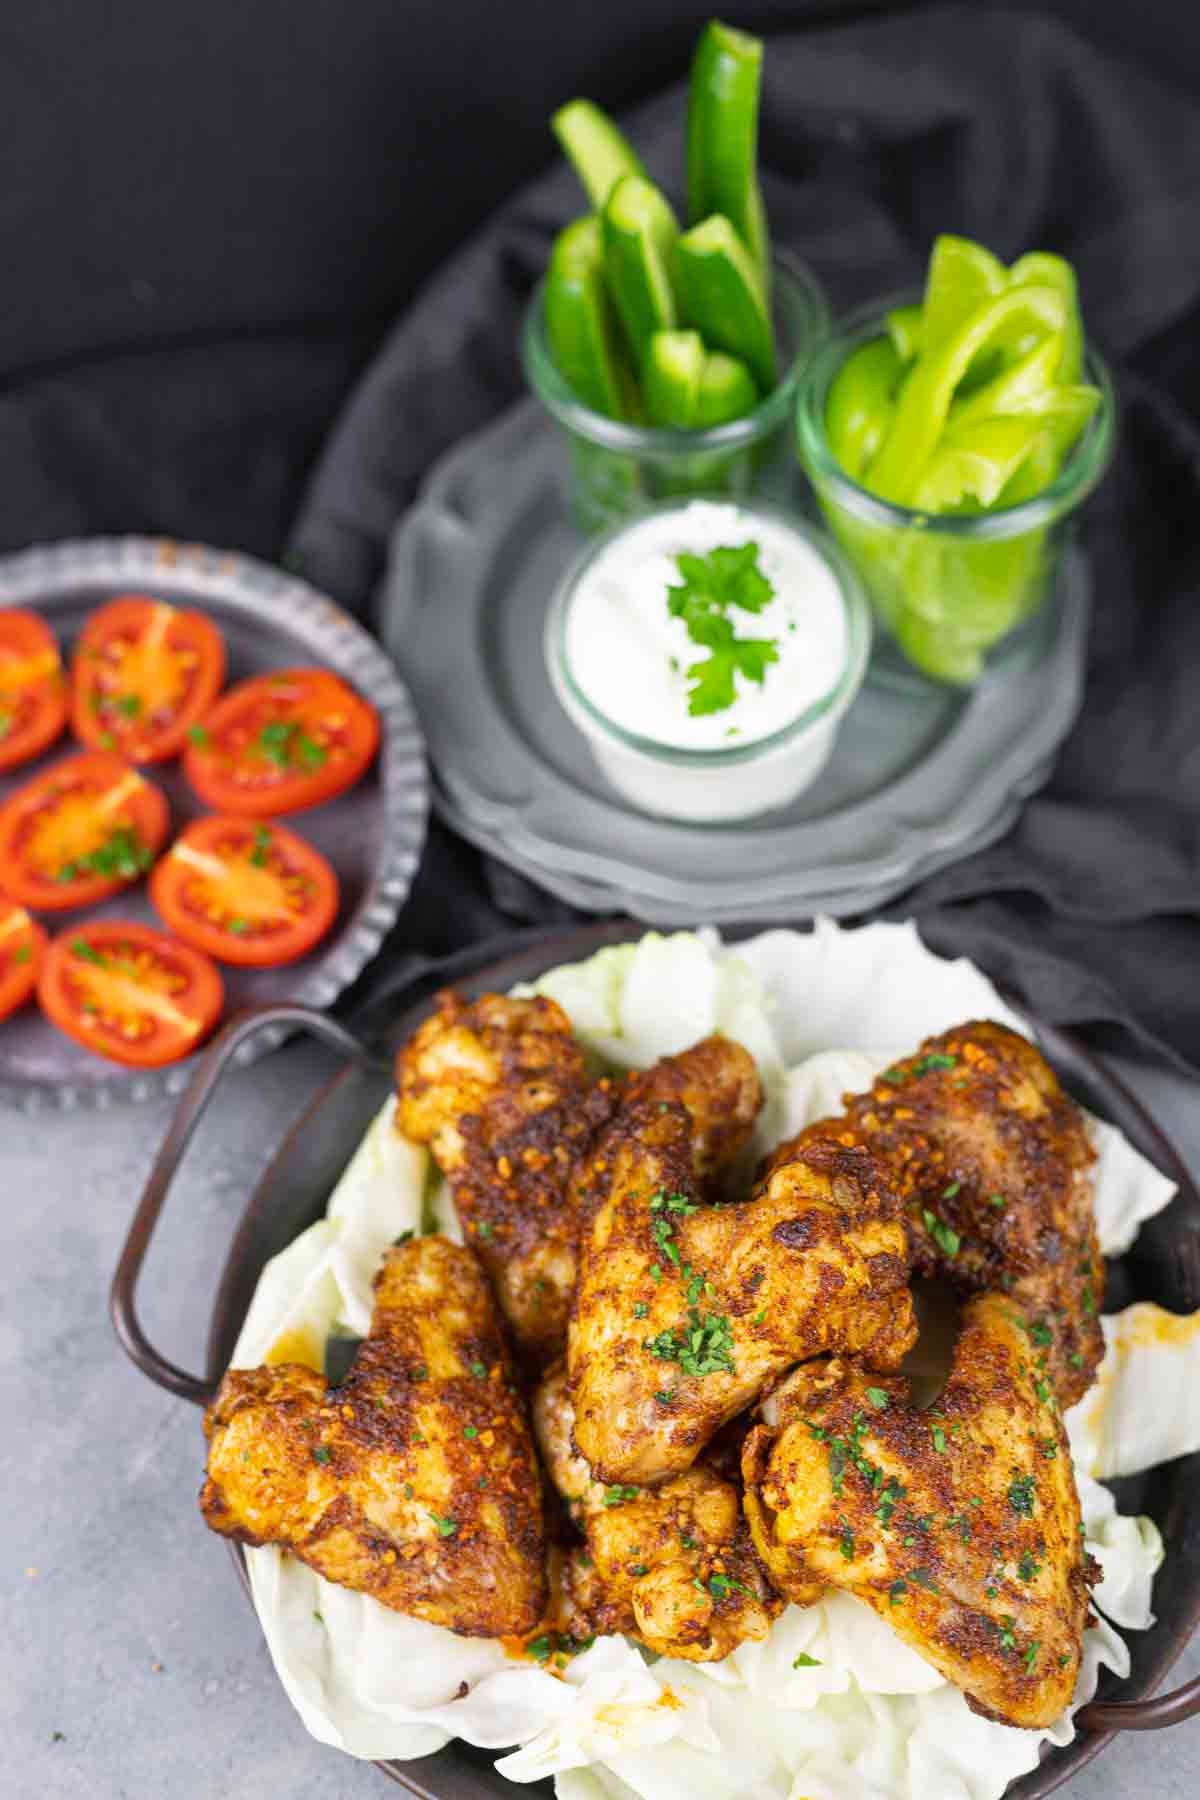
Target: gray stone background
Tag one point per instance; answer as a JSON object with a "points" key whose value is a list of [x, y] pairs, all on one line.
{"points": [[132, 1668]]}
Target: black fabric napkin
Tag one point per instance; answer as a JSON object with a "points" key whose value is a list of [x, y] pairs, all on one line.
{"points": [[876, 136]]}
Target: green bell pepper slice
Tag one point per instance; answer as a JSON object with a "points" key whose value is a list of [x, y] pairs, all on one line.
{"points": [[928, 391], [860, 404]]}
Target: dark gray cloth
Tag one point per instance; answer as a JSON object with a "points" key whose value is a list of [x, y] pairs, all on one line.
{"points": [[875, 136]]}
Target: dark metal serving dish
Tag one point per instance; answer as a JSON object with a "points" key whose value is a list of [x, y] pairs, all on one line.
{"points": [[1163, 1266]]}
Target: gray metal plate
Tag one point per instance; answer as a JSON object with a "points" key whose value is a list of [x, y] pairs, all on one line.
{"points": [[372, 835], [920, 776]]}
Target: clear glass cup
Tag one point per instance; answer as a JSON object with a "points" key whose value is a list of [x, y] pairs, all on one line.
{"points": [[949, 588], [730, 783], [615, 469]]}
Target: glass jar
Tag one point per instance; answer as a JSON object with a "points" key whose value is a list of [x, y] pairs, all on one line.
{"points": [[716, 785], [614, 469], [948, 588]]}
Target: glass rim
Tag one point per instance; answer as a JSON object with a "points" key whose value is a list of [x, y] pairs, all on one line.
{"points": [[828, 706], [1084, 467], [657, 440]]}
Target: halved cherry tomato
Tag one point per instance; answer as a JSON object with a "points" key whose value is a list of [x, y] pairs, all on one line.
{"points": [[22, 947], [129, 992], [33, 699], [281, 743], [246, 893], [81, 830], [144, 672]]}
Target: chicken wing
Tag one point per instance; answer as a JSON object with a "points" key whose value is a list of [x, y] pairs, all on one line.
{"points": [[684, 1312], [501, 1092], [416, 1480], [992, 1161], [960, 1525], [672, 1566]]}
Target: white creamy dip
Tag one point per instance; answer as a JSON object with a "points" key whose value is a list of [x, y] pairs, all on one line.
{"points": [[629, 657]]}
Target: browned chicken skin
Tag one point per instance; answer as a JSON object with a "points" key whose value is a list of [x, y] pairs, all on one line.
{"points": [[416, 1480], [684, 1312], [672, 1566], [992, 1162], [501, 1092], [959, 1525]]}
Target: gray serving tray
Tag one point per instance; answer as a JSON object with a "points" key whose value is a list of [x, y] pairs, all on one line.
{"points": [[921, 774], [372, 835]]}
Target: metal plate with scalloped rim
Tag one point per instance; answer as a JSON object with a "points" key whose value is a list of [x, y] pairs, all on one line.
{"points": [[372, 835], [920, 776]]}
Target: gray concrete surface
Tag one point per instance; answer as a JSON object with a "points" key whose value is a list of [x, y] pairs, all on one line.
{"points": [[131, 1668]]}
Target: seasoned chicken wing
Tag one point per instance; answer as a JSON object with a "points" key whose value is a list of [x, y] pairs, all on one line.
{"points": [[501, 1092], [992, 1161], [672, 1566], [416, 1480], [684, 1311], [959, 1525]]}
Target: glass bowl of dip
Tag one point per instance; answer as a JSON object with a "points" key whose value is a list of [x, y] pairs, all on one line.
{"points": [[619, 662], [950, 589], [614, 469]]}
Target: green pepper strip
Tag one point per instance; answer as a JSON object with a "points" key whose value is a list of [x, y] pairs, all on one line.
{"points": [[925, 398]]}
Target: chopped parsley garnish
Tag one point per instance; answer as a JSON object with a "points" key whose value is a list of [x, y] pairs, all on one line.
{"points": [[1075, 1360], [1031, 1655], [997, 1200], [262, 843], [199, 736], [1040, 1332], [640, 1309], [470, 1431], [721, 1586], [1008, 1639], [664, 1397], [877, 1397], [404, 1238], [446, 1527], [939, 1439], [923, 1065], [704, 1346], [122, 854], [897, 1592], [1021, 1492], [760, 1318], [321, 1454], [85, 952], [676, 1203], [846, 1542], [1028, 1566], [729, 576], [478, 1370], [805, 1661], [619, 1493], [128, 705], [949, 1193], [23, 953], [288, 746], [923, 1578], [946, 1239]]}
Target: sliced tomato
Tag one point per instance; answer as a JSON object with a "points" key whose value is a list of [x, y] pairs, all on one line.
{"points": [[33, 697], [81, 830], [245, 892], [22, 947], [129, 992], [281, 743], [144, 672]]}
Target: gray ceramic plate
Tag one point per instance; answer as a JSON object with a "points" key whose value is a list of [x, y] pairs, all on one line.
{"points": [[372, 835], [921, 774]]}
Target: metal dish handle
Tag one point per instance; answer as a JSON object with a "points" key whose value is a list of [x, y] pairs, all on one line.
{"points": [[214, 1062], [1144, 1715]]}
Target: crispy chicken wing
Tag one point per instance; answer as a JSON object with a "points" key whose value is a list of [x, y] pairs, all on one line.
{"points": [[960, 1525], [684, 1312], [501, 1092], [416, 1480], [992, 1161], [673, 1566]]}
